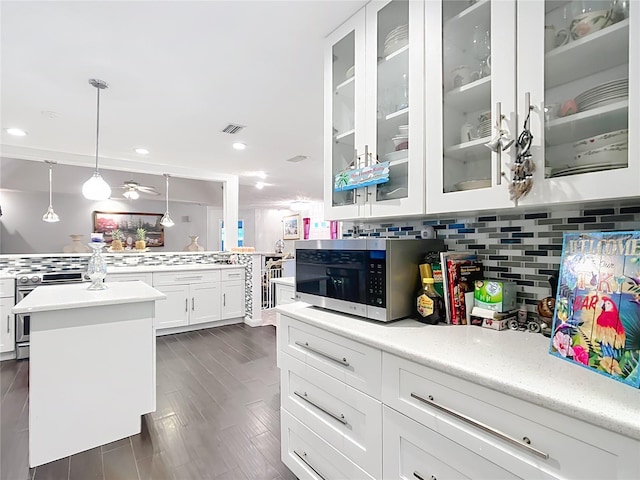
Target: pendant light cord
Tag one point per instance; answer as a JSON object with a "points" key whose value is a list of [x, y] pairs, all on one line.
{"points": [[50, 179], [167, 178], [97, 126]]}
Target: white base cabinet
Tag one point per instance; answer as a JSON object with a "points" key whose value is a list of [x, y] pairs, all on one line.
{"points": [[339, 397], [7, 319]]}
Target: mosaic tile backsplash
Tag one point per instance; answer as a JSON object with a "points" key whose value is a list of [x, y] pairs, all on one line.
{"points": [[521, 247]]}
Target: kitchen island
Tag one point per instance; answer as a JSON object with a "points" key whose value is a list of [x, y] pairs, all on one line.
{"points": [[92, 365]]}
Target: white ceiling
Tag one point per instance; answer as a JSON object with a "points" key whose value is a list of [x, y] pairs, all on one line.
{"points": [[179, 71]]}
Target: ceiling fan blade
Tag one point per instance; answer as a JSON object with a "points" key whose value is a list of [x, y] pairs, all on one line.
{"points": [[148, 190]]}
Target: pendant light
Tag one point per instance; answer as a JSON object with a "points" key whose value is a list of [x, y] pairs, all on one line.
{"points": [[166, 220], [50, 216], [96, 188]]}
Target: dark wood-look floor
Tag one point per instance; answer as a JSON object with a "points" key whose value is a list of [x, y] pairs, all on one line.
{"points": [[217, 417]]}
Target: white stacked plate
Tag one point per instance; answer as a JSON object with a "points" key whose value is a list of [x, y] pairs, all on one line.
{"points": [[587, 169], [484, 129], [395, 39], [473, 184], [602, 95], [591, 143]]}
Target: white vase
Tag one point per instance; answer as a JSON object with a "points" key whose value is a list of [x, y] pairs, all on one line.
{"points": [[76, 245], [193, 246]]}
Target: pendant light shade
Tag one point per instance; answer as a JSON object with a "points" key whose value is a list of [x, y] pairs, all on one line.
{"points": [[166, 220], [96, 188], [50, 216]]}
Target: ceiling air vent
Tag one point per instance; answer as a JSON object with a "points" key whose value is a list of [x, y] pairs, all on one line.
{"points": [[297, 158], [232, 129]]}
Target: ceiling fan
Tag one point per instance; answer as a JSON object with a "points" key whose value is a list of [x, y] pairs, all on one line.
{"points": [[132, 190]]}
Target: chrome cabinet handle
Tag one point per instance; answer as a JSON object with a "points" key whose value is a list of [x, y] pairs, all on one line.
{"points": [[193, 303], [224, 299], [337, 417], [341, 361], [420, 477], [524, 444], [301, 457], [186, 304], [8, 320], [234, 274]]}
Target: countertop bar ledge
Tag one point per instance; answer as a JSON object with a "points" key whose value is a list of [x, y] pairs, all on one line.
{"points": [[512, 362]]}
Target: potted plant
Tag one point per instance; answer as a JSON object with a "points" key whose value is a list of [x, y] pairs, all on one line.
{"points": [[116, 240], [141, 235]]}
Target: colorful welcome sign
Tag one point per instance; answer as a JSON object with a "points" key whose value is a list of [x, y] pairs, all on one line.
{"points": [[361, 177]]}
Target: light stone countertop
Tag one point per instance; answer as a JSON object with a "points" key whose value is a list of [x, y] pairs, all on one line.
{"points": [[289, 281], [170, 268], [513, 362], [65, 297]]}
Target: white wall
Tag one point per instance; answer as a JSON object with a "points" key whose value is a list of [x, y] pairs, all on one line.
{"points": [[23, 231]]}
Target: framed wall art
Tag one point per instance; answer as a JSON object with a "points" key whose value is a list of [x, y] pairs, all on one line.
{"points": [[128, 223], [291, 227]]}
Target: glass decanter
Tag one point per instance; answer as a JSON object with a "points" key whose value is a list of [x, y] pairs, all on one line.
{"points": [[97, 268]]}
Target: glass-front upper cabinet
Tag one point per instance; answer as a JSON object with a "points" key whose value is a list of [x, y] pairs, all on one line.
{"points": [[470, 97], [344, 113], [374, 109], [578, 63]]}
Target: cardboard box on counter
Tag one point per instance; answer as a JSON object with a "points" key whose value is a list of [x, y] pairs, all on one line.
{"points": [[496, 295], [486, 318]]}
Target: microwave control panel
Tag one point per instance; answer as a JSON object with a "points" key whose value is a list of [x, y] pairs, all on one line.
{"points": [[376, 273]]}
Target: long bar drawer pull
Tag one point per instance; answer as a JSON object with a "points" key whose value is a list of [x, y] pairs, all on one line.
{"points": [[341, 361], [188, 278], [8, 322], [522, 444], [301, 457], [339, 418]]}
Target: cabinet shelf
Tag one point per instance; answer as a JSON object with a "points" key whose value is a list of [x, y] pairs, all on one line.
{"points": [[402, 50], [346, 137], [402, 111], [477, 14], [468, 150], [594, 53], [471, 97], [346, 88], [589, 123]]}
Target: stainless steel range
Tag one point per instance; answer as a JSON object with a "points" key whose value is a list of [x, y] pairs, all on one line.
{"points": [[25, 284]]}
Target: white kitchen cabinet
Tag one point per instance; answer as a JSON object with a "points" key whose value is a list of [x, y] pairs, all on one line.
{"points": [[374, 103], [525, 73], [569, 169], [464, 92], [199, 297], [285, 294], [205, 303], [174, 311], [7, 319]]}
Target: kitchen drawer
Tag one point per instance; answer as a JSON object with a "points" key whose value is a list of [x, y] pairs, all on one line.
{"points": [[344, 417], [350, 362], [413, 451], [507, 431], [129, 277], [7, 287], [310, 457], [186, 277], [285, 294], [233, 274]]}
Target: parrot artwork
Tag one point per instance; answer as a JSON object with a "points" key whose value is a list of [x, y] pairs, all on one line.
{"points": [[609, 331]]}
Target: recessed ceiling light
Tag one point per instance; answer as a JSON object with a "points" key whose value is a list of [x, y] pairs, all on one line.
{"points": [[239, 145], [142, 151], [16, 132], [259, 185]]}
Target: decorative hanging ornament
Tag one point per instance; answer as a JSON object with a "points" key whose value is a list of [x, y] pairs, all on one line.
{"points": [[523, 167]]}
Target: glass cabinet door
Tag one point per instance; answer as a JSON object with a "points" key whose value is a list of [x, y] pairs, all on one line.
{"points": [[395, 105], [586, 86], [588, 51], [467, 104], [344, 113]]}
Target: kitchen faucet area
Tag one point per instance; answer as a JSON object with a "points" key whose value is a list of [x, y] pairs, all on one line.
{"points": [[365, 239]]}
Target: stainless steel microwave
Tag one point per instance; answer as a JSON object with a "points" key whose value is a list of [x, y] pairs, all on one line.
{"points": [[374, 278]]}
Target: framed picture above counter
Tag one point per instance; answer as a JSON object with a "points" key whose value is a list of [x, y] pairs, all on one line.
{"points": [[128, 223], [291, 227]]}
